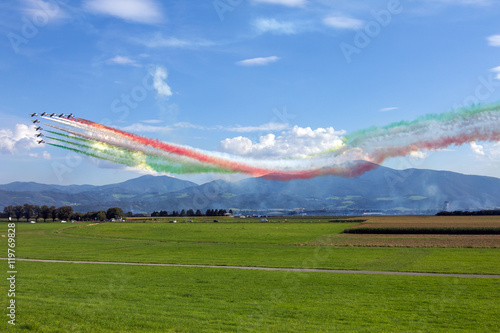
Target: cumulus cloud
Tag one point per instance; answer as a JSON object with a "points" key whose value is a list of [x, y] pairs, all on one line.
{"points": [[297, 142], [20, 139], [258, 61], [159, 81], [264, 25], [288, 3], [343, 22], [417, 155], [494, 40], [126, 61], [140, 11], [478, 149]]}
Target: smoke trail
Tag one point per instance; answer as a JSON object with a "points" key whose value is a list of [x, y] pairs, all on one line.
{"points": [[375, 145]]}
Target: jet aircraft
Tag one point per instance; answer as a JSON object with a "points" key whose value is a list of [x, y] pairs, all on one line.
{"points": [[34, 114]]}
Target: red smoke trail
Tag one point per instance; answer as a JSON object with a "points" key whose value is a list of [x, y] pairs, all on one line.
{"points": [[228, 165], [376, 155]]}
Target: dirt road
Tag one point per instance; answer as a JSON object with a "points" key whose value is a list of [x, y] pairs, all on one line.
{"points": [[338, 271]]}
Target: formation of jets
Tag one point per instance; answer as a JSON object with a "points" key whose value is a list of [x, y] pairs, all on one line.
{"points": [[62, 115], [45, 114]]}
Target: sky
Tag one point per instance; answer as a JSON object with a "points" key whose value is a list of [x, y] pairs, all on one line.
{"points": [[255, 78]]}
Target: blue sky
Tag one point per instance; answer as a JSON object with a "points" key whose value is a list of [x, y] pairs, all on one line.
{"points": [[224, 75]]}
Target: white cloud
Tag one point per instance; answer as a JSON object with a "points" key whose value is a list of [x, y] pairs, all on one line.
{"points": [[126, 61], [494, 40], [185, 124], [263, 25], [19, 139], [297, 142], [141, 11], [159, 81], [159, 41], [258, 61], [264, 127], [152, 121], [46, 155], [288, 3], [417, 155], [478, 149], [497, 71], [343, 22], [391, 108]]}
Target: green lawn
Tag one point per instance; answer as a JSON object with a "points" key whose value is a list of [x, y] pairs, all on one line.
{"points": [[243, 244], [65, 297], [60, 297]]}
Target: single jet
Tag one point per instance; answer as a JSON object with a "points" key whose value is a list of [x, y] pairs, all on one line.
{"points": [[36, 121], [39, 135], [34, 114], [41, 141], [38, 128], [43, 114], [70, 116]]}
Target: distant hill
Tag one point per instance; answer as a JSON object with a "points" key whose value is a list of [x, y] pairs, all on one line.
{"points": [[382, 189]]}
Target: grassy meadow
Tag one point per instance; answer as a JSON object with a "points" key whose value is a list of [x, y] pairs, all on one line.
{"points": [[66, 297]]}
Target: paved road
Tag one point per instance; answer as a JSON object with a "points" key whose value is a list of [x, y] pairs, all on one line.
{"points": [[265, 268]]}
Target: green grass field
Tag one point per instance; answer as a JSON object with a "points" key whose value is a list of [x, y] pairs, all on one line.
{"points": [[65, 297]]}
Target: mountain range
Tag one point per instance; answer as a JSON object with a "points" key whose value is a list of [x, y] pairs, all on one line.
{"points": [[380, 190]]}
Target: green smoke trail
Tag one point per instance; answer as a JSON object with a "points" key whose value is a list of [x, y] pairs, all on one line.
{"points": [[134, 159], [421, 122]]}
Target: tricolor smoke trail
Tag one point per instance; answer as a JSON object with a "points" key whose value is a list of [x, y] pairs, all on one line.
{"points": [[375, 145]]}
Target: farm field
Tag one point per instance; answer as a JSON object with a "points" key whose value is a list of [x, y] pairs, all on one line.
{"points": [[111, 298], [422, 231], [85, 297]]}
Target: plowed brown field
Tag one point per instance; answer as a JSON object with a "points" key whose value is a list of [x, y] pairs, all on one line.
{"points": [[418, 240]]}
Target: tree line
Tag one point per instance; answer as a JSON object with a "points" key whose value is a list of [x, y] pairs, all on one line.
{"points": [[467, 213], [61, 213], [191, 212]]}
